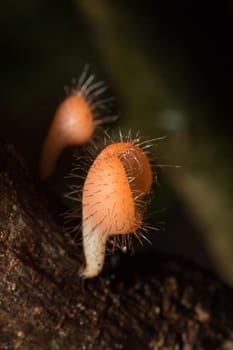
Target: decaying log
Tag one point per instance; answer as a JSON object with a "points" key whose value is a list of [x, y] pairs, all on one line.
{"points": [[140, 302]]}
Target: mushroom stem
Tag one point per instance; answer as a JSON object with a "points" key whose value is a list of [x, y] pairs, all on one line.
{"points": [[94, 244]]}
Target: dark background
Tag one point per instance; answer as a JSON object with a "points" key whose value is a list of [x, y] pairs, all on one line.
{"points": [[170, 66]]}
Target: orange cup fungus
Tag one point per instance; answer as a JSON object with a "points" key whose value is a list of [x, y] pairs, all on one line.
{"points": [[75, 120], [113, 199]]}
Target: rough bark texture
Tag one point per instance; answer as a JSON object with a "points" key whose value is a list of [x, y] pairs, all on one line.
{"points": [[142, 302]]}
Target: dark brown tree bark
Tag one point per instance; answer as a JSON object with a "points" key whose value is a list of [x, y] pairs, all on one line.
{"points": [[140, 302]]}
